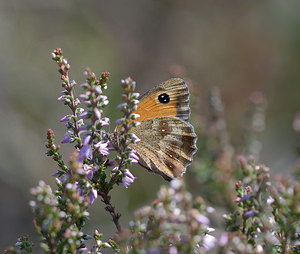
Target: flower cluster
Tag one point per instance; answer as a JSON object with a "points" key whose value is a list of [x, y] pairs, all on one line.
{"points": [[266, 218], [175, 223], [60, 219]]}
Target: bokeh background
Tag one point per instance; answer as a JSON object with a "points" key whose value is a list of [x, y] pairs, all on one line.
{"points": [[240, 46]]}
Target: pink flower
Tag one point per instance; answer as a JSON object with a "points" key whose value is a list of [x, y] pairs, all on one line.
{"points": [[86, 151], [173, 250], [88, 170], [135, 138], [223, 240], [102, 148], [133, 157], [127, 179], [202, 219], [104, 121], [209, 242], [93, 196]]}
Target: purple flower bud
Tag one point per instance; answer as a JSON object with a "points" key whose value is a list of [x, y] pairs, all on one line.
{"points": [[67, 137], [133, 161], [270, 200], [65, 118], [72, 83], [114, 169], [134, 158], [84, 127], [134, 116], [154, 251], [105, 102], [128, 174], [104, 121], [223, 240], [86, 140], [209, 242], [173, 250], [88, 170], [135, 124], [248, 214], [120, 120], [202, 219], [102, 97], [122, 105], [210, 230], [135, 101], [111, 163], [98, 90], [83, 114], [61, 98], [246, 197], [84, 96], [64, 178], [210, 209], [133, 85], [97, 113], [85, 152], [56, 173], [175, 184]]}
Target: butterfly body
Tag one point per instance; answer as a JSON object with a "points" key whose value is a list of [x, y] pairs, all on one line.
{"points": [[167, 139]]}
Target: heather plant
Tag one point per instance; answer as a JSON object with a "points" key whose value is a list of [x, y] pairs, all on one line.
{"points": [[237, 206]]}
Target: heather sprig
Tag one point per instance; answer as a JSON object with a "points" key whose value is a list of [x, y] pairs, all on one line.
{"points": [[252, 195], [286, 215], [125, 123], [122, 138], [67, 96], [86, 127], [22, 246]]}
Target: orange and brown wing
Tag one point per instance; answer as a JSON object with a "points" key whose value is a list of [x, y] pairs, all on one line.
{"points": [[170, 98]]}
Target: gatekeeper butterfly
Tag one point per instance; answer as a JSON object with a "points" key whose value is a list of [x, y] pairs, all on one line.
{"points": [[167, 139]]}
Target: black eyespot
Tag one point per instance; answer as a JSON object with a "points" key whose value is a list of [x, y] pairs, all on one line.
{"points": [[164, 98]]}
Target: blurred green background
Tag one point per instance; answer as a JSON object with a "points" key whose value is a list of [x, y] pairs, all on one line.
{"points": [[240, 46]]}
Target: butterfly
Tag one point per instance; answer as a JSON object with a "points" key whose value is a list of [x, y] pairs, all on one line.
{"points": [[167, 139]]}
